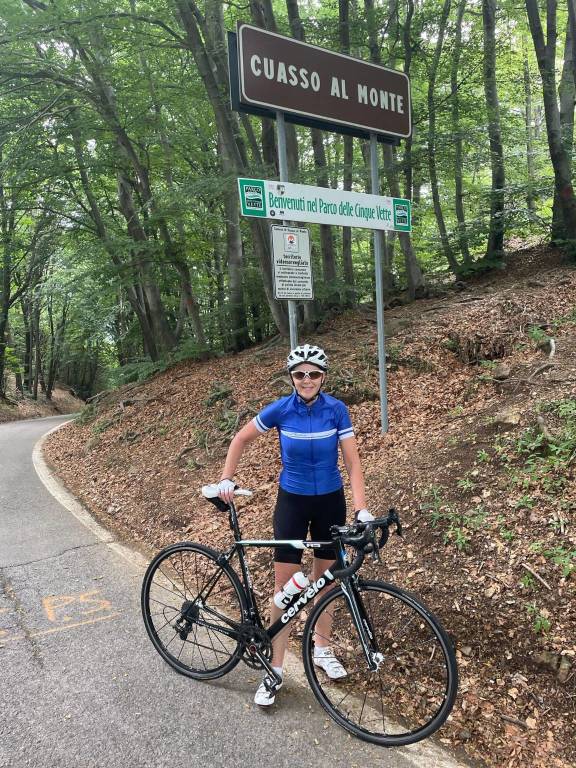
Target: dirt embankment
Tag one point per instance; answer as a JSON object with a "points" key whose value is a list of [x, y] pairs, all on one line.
{"points": [[479, 459], [19, 407]]}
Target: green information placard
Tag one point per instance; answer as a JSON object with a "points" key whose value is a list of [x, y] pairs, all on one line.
{"points": [[317, 205]]}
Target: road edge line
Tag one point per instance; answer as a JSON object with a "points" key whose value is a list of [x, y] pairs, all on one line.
{"points": [[66, 499]]}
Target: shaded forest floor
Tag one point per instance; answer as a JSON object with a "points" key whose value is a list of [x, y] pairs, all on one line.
{"points": [[24, 407], [479, 459]]}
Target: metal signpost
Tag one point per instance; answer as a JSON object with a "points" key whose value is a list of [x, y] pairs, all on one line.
{"points": [[288, 80]]}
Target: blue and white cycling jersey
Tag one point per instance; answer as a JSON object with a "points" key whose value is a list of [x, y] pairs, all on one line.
{"points": [[309, 439]]}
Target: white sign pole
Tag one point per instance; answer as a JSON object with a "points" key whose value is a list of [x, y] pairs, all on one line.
{"points": [[378, 253], [283, 170]]}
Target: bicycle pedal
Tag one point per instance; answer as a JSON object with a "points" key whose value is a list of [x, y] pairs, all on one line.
{"points": [[271, 685]]}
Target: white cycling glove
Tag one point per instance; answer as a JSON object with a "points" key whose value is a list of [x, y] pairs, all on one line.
{"points": [[226, 486], [363, 516]]}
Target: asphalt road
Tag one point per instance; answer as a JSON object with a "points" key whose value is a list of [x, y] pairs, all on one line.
{"points": [[82, 686]]}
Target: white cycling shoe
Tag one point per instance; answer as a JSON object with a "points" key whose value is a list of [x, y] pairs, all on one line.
{"points": [[265, 697], [325, 659]]}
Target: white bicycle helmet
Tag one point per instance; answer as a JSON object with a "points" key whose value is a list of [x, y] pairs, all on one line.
{"points": [[307, 353]]}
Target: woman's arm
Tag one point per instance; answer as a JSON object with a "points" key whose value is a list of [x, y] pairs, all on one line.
{"points": [[354, 469], [240, 440]]}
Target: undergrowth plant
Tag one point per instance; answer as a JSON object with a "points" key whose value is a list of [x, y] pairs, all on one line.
{"points": [[538, 461], [459, 524], [541, 623]]}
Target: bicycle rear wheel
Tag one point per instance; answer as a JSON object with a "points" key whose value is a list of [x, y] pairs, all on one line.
{"points": [[412, 692], [192, 607]]}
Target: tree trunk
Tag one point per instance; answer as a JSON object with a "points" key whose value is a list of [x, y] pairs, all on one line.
{"points": [[235, 259], [174, 254], [566, 93], [133, 291], [495, 246], [457, 134], [530, 192], [164, 339], [329, 272], [216, 91], [407, 43], [6, 233], [445, 243], [347, 264], [388, 282], [37, 349], [546, 57]]}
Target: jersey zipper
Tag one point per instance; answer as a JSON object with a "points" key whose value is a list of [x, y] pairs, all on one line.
{"points": [[312, 450]]}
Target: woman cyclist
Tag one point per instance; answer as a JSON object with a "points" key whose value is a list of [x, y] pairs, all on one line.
{"points": [[311, 425]]}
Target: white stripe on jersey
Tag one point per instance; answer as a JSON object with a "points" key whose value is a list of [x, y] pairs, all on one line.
{"points": [[308, 435], [259, 424]]}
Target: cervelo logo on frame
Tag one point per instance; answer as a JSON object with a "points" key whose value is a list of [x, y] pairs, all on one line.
{"points": [[307, 595], [252, 196]]}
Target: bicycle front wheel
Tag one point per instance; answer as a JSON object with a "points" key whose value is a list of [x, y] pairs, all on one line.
{"points": [[192, 607], [411, 693]]}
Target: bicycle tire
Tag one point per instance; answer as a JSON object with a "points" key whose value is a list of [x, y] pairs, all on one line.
{"points": [[418, 676], [187, 577]]}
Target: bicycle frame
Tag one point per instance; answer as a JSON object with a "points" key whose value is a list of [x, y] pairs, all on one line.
{"points": [[348, 584]]}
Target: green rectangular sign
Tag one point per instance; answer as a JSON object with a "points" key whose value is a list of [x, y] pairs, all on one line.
{"points": [[280, 200]]}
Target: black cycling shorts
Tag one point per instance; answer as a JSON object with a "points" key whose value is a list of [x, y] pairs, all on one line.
{"points": [[295, 514]]}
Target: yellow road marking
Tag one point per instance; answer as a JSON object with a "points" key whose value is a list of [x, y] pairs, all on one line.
{"points": [[68, 626], [54, 603]]}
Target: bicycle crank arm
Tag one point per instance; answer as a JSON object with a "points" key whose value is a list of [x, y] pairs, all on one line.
{"points": [[267, 666]]}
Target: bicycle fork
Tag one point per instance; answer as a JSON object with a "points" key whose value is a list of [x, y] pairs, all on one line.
{"points": [[373, 656]]}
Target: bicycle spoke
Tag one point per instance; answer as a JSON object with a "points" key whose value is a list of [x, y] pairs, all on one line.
{"points": [[173, 584], [183, 577], [213, 610], [410, 693]]}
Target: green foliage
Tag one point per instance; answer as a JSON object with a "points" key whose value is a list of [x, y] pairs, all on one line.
{"points": [[524, 502], [12, 361], [541, 622], [537, 335], [99, 273], [458, 524], [218, 391], [528, 581], [466, 483], [140, 370], [540, 462], [565, 557], [86, 415]]}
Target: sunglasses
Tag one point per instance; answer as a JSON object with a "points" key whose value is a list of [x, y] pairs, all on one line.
{"points": [[312, 375]]}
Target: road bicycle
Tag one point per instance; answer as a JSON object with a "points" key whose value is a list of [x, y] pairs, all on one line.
{"points": [[402, 678]]}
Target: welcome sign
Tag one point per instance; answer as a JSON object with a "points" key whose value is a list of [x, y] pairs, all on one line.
{"points": [[317, 205], [280, 73]]}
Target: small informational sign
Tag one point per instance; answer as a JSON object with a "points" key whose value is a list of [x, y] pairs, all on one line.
{"points": [[318, 205], [291, 261]]}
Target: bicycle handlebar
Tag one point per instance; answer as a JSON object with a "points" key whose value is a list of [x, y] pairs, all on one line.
{"points": [[363, 539], [361, 536]]}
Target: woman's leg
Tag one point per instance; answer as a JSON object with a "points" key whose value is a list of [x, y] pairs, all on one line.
{"points": [[290, 522], [282, 573], [324, 625]]}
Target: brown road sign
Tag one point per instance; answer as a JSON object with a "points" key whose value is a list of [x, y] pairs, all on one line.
{"points": [[280, 73]]}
